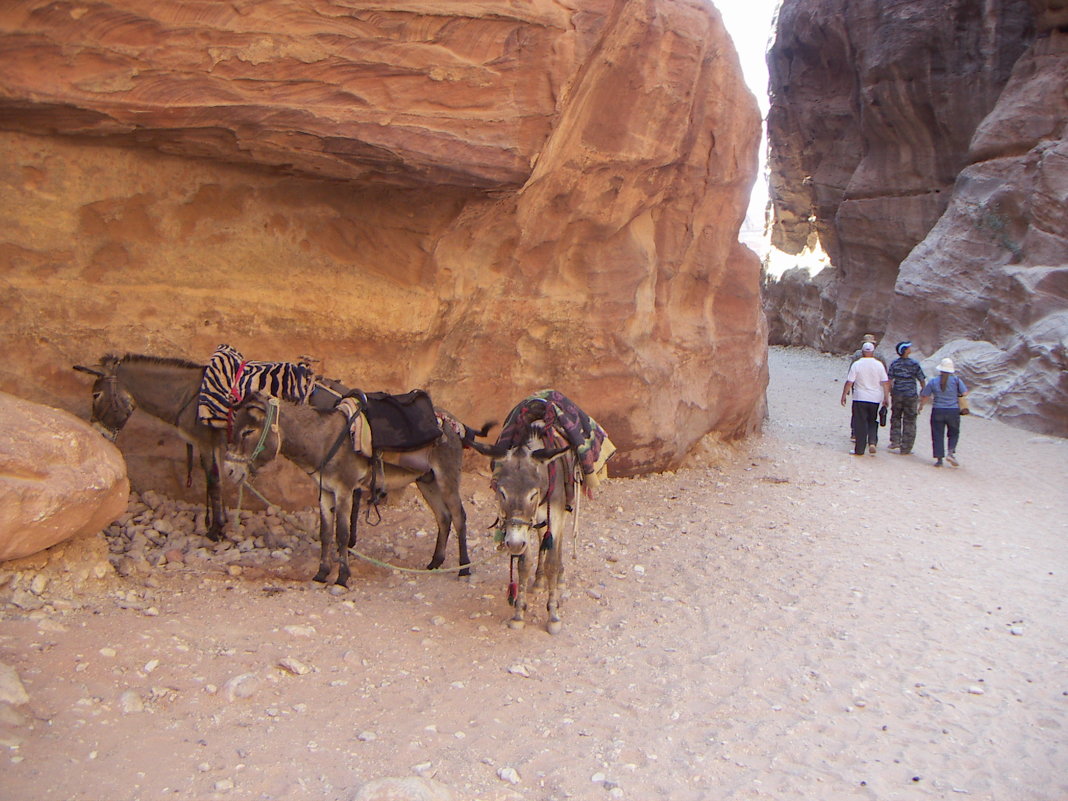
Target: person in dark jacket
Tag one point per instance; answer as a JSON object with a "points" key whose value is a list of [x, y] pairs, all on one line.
{"points": [[906, 379]]}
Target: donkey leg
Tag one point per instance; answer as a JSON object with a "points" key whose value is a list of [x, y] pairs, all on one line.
{"points": [[554, 563], [216, 514], [354, 518], [517, 621], [326, 535], [343, 513], [431, 492]]}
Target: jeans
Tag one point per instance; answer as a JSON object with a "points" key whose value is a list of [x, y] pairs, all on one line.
{"points": [[903, 421], [865, 425], [941, 421]]}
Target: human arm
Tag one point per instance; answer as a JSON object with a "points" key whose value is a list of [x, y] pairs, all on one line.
{"points": [[846, 389]]}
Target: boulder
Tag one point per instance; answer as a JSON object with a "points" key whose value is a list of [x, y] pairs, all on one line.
{"points": [[480, 200], [58, 478]]}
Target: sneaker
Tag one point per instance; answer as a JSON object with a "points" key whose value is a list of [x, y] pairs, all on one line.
{"points": [[871, 449], [938, 463], [951, 457], [904, 453], [894, 448]]}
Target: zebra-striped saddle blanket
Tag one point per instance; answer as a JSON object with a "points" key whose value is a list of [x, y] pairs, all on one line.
{"points": [[229, 377]]}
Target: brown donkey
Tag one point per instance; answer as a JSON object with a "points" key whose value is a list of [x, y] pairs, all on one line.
{"points": [[319, 442]]}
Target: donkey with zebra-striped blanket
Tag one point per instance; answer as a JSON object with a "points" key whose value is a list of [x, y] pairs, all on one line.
{"points": [[171, 390]]}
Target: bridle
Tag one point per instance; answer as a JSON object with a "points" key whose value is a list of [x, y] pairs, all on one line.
{"points": [[270, 425]]}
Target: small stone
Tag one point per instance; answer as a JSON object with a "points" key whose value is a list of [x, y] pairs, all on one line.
{"points": [[299, 631], [520, 670], [151, 665], [108, 652], [11, 689], [224, 785], [510, 775], [366, 736], [976, 690], [235, 571], [1016, 631], [241, 686], [130, 702]]}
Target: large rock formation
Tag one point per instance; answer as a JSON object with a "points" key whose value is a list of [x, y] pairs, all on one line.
{"points": [[982, 274], [480, 199], [873, 105], [989, 284], [59, 478]]}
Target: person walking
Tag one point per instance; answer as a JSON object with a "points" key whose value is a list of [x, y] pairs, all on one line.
{"points": [[906, 379], [868, 382], [945, 391], [859, 353]]}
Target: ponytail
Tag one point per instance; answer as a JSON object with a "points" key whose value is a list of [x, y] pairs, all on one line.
{"points": [[943, 381]]}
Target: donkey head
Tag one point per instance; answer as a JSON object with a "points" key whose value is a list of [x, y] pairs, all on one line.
{"points": [[112, 404], [254, 438], [521, 477]]}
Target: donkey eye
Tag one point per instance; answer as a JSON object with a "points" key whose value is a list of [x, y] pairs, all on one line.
{"points": [[533, 496], [246, 433]]}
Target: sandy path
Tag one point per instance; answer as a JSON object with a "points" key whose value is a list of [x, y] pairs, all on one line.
{"points": [[788, 623]]}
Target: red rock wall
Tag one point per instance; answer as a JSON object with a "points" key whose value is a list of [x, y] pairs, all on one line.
{"points": [[482, 200]]}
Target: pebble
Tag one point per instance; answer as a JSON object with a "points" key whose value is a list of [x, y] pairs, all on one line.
{"points": [[366, 736], [294, 666], [510, 775], [976, 690], [130, 702], [520, 670]]}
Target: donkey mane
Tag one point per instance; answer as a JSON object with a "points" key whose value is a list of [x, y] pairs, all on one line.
{"points": [[166, 361]]}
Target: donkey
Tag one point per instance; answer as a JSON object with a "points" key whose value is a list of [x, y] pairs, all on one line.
{"points": [[534, 481], [166, 389], [319, 442]]}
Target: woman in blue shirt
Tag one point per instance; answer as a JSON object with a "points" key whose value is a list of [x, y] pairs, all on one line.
{"points": [[945, 391]]}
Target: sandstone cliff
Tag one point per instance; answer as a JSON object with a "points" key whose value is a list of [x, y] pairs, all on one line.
{"points": [[932, 170], [482, 199]]}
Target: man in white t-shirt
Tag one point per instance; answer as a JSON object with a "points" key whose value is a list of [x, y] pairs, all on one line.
{"points": [[870, 385]]}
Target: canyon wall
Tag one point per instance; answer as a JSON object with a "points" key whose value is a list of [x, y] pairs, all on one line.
{"points": [[481, 199], [922, 144]]}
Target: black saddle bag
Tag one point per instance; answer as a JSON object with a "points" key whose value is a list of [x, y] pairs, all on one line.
{"points": [[402, 422]]}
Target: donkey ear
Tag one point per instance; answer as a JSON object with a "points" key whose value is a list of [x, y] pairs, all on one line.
{"points": [[547, 455], [91, 370], [492, 451]]}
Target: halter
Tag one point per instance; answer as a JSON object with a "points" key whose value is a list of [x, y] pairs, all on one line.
{"points": [[269, 425]]}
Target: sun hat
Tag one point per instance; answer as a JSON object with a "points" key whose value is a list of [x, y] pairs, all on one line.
{"points": [[902, 347], [867, 347], [946, 366], [869, 338]]}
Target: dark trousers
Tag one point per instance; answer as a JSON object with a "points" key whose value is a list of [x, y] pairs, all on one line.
{"points": [[865, 425], [943, 420], [903, 421]]}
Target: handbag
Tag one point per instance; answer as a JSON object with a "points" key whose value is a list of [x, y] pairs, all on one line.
{"points": [[963, 402]]}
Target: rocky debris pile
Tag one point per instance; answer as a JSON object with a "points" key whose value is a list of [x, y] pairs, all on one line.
{"points": [[157, 532]]}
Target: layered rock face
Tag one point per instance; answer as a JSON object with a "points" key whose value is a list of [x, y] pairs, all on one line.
{"points": [[980, 275], [989, 284], [873, 106], [479, 199], [59, 478]]}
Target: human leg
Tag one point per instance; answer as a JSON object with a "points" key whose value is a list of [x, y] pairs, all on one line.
{"points": [[908, 423], [953, 427], [938, 433], [860, 427], [872, 421], [896, 420]]}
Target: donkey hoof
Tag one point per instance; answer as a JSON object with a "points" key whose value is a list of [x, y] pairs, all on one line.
{"points": [[554, 626], [320, 576], [465, 573], [516, 624]]}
